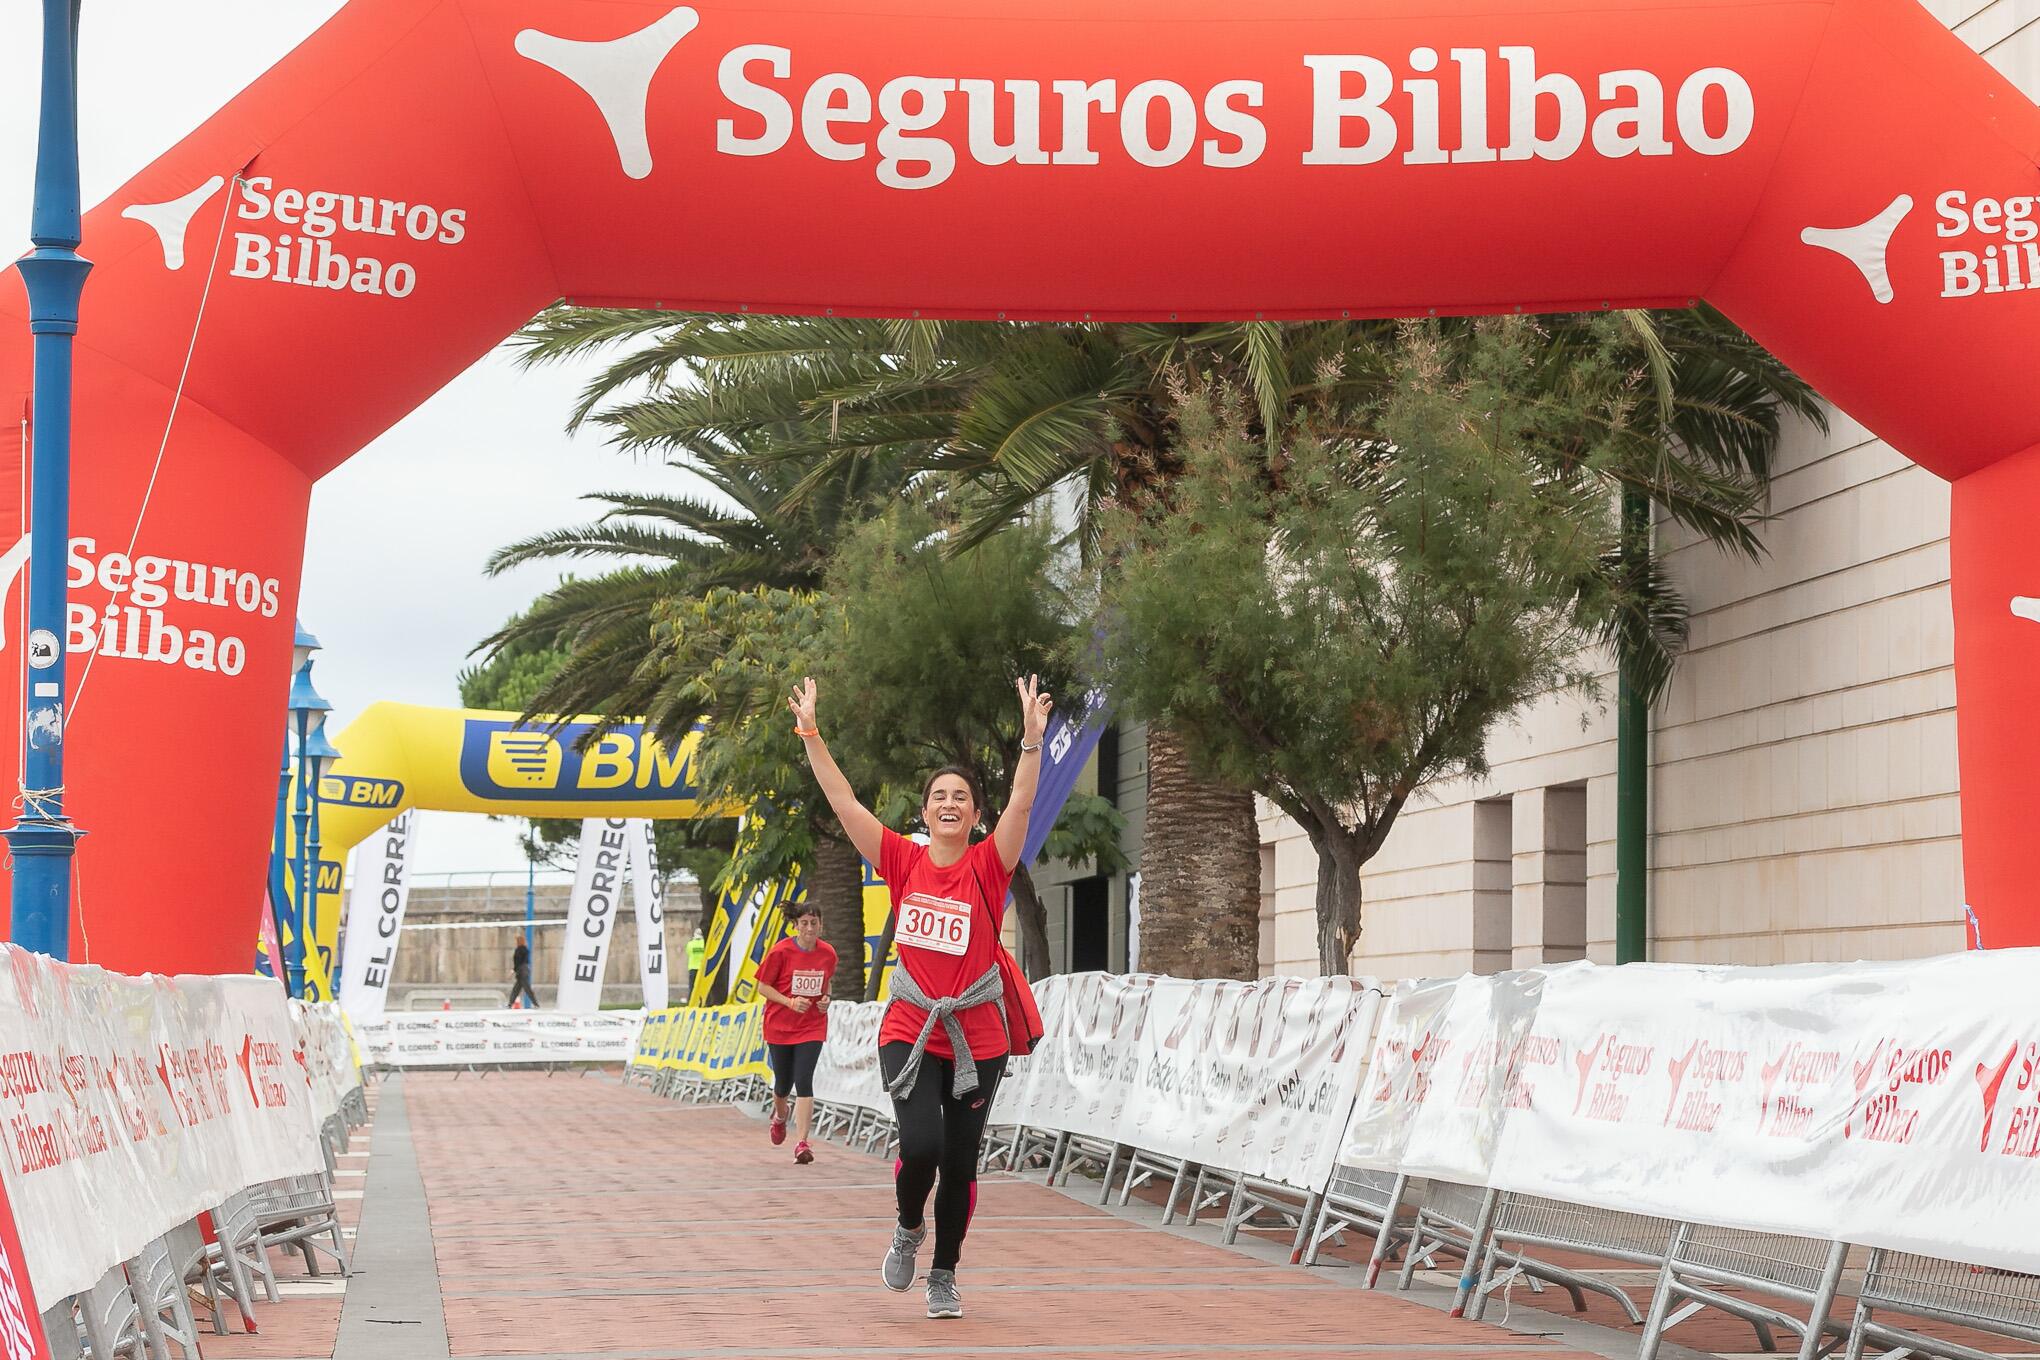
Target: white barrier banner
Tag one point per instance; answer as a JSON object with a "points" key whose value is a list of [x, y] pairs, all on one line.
{"points": [[498, 1038], [847, 1072], [648, 895], [329, 1055], [1252, 1077], [1884, 1104], [133, 1104], [1398, 1076], [591, 913], [375, 918], [1470, 1058]]}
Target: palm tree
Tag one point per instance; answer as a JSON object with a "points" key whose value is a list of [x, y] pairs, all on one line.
{"points": [[1016, 411], [746, 530]]}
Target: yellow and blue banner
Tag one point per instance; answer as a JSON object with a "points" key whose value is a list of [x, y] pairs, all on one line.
{"points": [[716, 1043]]}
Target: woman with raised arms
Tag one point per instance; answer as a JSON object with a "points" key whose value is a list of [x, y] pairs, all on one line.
{"points": [[943, 1043]]}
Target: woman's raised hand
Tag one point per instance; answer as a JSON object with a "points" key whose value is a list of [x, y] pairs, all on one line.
{"points": [[1034, 708], [803, 705]]}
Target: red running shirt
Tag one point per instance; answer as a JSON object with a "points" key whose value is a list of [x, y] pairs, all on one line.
{"points": [[946, 929], [793, 971]]}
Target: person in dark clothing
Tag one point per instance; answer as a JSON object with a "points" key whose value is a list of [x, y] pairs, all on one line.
{"points": [[520, 964]]}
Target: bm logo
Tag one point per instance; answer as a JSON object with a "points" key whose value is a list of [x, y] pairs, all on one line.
{"points": [[356, 791], [329, 876], [499, 759]]}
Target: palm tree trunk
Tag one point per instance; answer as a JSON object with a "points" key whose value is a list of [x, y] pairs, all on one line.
{"points": [[1200, 871], [1032, 917], [837, 887], [879, 958]]}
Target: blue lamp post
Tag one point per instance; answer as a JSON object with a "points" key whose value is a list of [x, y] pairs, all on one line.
{"points": [[315, 758], [42, 840], [301, 651], [307, 716]]}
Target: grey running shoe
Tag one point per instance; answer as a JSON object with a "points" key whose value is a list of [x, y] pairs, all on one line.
{"points": [[943, 1300], [898, 1270]]}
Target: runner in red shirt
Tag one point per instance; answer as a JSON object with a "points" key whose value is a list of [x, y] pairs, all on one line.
{"points": [[949, 897], [794, 980]]}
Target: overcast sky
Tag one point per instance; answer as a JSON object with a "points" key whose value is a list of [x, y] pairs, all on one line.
{"points": [[393, 584]]}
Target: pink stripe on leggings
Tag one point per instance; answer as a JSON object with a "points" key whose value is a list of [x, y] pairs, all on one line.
{"points": [[968, 1216]]}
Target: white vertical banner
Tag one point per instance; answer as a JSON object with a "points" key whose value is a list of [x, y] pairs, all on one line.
{"points": [[591, 913], [648, 894], [375, 918]]}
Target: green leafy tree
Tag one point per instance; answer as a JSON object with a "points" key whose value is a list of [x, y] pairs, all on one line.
{"points": [[740, 525], [1338, 619], [932, 646], [1019, 410], [732, 657]]}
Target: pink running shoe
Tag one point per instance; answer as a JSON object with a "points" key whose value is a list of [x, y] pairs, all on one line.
{"points": [[803, 1154], [778, 1131]]}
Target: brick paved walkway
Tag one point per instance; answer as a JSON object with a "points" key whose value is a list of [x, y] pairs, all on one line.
{"points": [[574, 1217]]}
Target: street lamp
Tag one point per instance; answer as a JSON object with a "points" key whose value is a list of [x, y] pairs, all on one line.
{"points": [[302, 647], [308, 712], [316, 758], [42, 839]]}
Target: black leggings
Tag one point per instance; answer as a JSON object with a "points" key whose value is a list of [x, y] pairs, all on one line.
{"points": [[939, 1133], [793, 1067]]}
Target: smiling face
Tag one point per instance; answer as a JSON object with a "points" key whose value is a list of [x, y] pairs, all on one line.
{"points": [[949, 808]]}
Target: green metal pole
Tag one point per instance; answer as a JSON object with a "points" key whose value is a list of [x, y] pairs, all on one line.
{"points": [[1632, 773]]}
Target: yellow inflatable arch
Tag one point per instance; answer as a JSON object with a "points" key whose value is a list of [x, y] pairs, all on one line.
{"points": [[399, 756]]}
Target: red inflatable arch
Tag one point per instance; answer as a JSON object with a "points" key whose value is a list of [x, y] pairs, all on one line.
{"points": [[1843, 177]]}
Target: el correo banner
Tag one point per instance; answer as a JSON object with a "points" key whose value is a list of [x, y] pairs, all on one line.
{"points": [[375, 918], [134, 1104], [591, 912], [648, 895]]}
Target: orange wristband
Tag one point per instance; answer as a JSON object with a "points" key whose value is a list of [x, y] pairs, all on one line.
{"points": [[800, 731]]}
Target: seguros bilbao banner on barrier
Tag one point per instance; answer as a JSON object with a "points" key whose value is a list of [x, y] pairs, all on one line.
{"points": [[1883, 1104], [131, 1105], [1843, 177]]}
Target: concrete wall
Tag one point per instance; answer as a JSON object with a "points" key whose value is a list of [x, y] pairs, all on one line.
{"points": [[433, 958]]}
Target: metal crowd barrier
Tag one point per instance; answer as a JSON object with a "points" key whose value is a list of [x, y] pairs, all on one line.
{"points": [[142, 1306], [1077, 1152], [2003, 1302], [1143, 1167], [1492, 1232], [1529, 1221], [1359, 1198], [1293, 1207], [1704, 1260]]}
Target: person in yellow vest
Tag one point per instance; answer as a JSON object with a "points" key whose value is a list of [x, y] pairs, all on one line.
{"points": [[697, 949]]}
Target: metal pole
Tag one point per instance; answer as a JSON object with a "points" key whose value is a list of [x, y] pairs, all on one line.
{"points": [[301, 909], [1632, 769], [278, 878], [42, 840], [530, 881], [312, 854]]}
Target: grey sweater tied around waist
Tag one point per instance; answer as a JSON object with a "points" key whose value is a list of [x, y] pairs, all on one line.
{"points": [[942, 1010]]}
